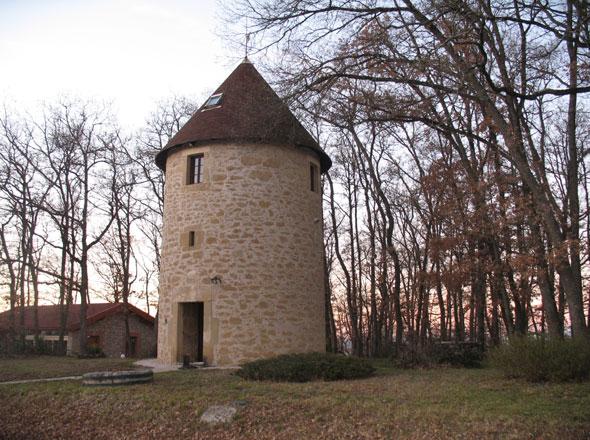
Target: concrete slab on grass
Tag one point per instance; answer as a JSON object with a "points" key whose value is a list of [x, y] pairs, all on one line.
{"points": [[218, 414]]}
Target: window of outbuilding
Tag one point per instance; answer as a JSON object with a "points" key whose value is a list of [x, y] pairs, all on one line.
{"points": [[313, 177], [195, 169], [93, 341], [191, 239]]}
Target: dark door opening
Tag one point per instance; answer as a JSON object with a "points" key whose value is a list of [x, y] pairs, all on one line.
{"points": [[133, 348], [192, 331]]}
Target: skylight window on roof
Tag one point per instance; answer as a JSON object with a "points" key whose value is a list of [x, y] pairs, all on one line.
{"points": [[213, 101]]}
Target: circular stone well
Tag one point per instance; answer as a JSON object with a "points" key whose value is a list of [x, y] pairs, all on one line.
{"points": [[105, 378]]}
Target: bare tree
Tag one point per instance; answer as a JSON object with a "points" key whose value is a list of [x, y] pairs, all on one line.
{"points": [[21, 237], [169, 117], [76, 142], [485, 77]]}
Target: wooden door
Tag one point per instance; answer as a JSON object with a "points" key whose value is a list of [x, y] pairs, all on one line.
{"points": [[192, 331]]}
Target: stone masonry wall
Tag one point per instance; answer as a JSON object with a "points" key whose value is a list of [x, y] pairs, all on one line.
{"points": [[258, 227], [111, 331]]}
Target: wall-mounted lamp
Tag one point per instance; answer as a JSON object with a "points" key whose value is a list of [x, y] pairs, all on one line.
{"points": [[216, 280]]}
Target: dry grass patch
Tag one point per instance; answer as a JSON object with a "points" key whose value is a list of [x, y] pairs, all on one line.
{"points": [[40, 367], [432, 404]]}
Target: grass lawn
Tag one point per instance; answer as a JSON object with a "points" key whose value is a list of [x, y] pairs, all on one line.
{"points": [[39, 367], [401, 404]]}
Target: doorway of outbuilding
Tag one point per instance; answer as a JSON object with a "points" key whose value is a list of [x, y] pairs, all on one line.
{"points": [[191, 331]]}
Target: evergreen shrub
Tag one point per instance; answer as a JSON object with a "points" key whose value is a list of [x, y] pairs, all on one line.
{"points": [[306, 367], [455, 354], [540, 359]]}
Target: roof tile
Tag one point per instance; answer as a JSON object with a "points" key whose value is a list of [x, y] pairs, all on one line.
{"points": [[49, 316], [250, 111]]}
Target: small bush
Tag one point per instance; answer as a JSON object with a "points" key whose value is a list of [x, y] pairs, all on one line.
{"points": [[542, 359], [92, 351], [40, 346], [456, 354], [305, 367], [462, 354], [411, 356]]}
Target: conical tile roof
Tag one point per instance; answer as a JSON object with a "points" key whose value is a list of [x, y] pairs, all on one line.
{"points": [[249, 111]]}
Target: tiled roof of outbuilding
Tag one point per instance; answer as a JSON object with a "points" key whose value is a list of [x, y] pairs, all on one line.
{"points": [[49, 316], [250, 111]]}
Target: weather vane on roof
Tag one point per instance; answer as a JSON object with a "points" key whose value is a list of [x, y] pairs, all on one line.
{"points": [[247, 41]]}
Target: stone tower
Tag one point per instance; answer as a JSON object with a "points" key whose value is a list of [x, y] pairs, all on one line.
{"points": [[242, 270]]}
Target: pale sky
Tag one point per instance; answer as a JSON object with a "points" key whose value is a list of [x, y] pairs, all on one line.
{"points": [[130, 53]]}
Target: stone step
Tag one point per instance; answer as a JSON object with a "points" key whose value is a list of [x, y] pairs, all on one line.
{"points": [[193, 365]]}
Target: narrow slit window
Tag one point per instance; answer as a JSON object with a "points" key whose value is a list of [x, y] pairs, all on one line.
{"points": [[191, 239], [93, 341], [213, 101], [195, 169], [313, 177]]}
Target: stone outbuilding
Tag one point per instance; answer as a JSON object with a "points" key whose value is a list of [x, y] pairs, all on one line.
{"points": [[242, 269], [105, 329]]}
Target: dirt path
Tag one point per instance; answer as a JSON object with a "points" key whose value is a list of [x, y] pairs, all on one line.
{"points": [[48, 379]]}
